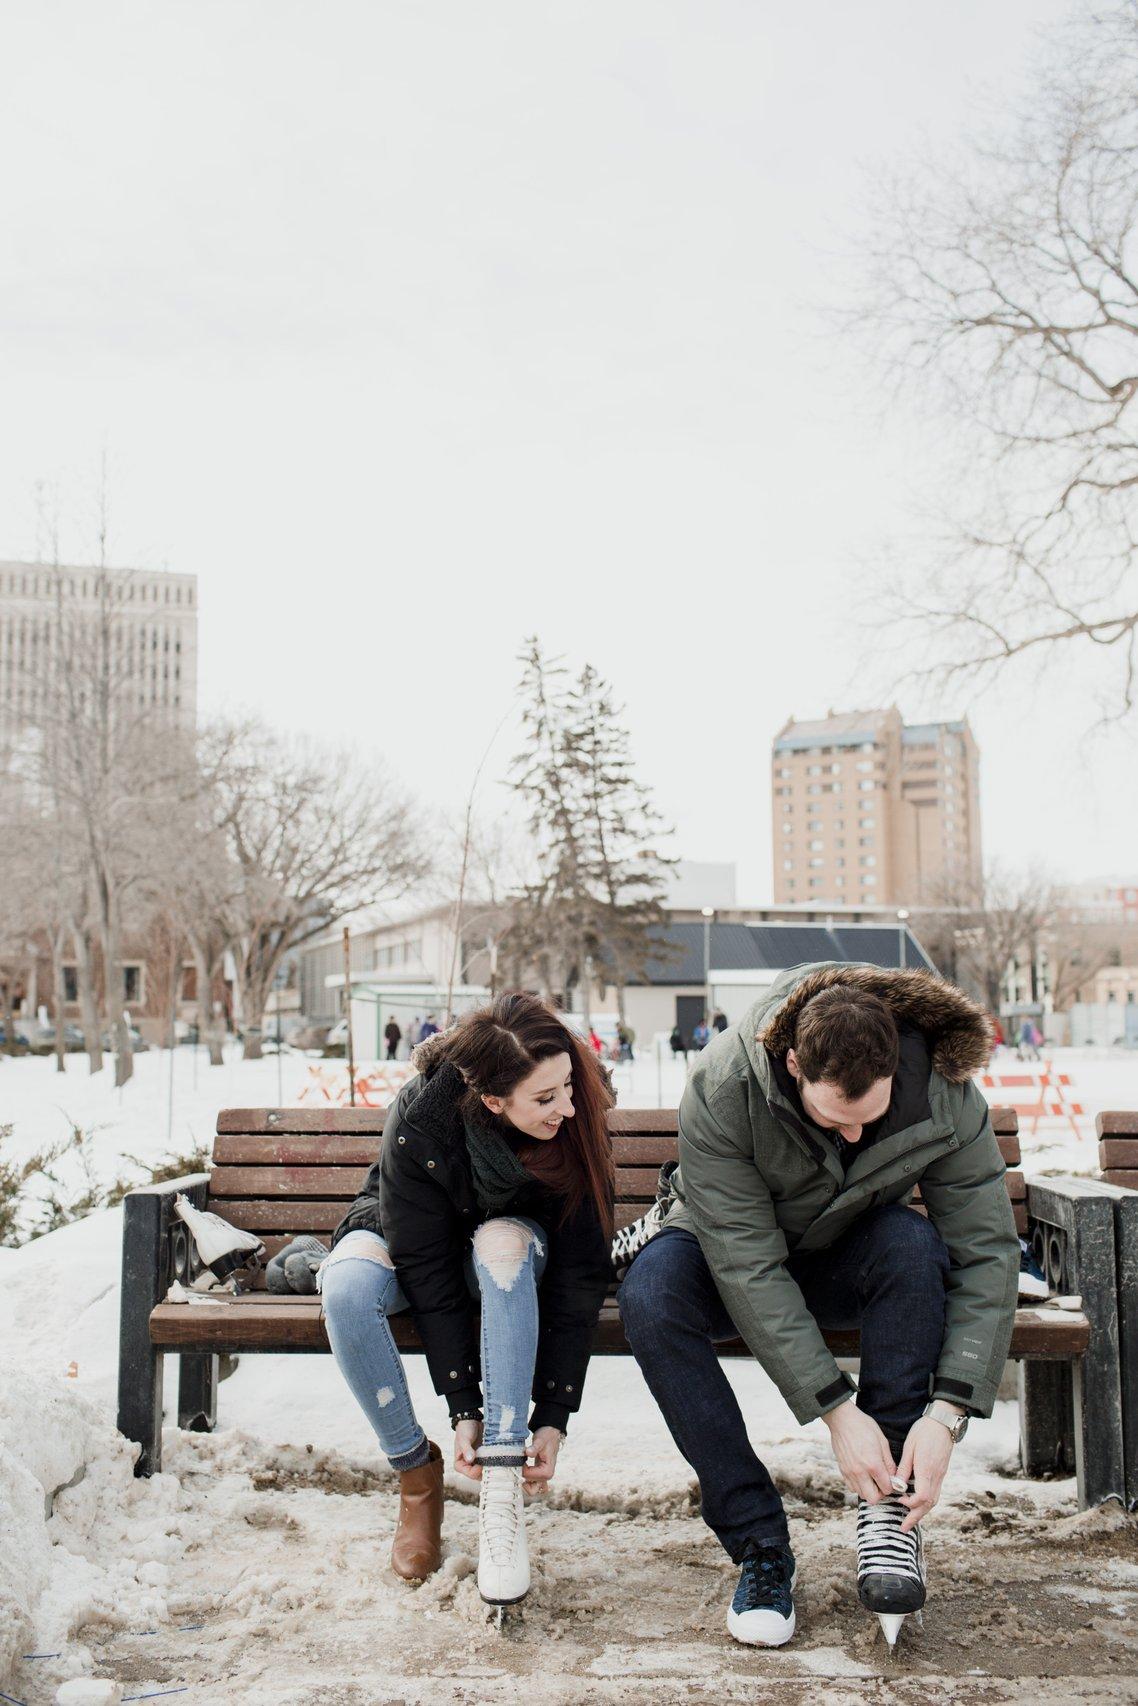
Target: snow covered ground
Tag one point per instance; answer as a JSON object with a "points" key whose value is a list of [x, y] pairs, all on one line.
{"points": [[254, 1568]]}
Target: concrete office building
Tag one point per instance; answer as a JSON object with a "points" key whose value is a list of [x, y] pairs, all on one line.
{"points": [[869, 811], [154, 623]]}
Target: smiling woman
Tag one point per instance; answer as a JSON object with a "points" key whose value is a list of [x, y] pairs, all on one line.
{"points": [[493, 1190]]}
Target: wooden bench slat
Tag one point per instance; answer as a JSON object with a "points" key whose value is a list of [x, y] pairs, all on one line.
{"points": [[294, 1324], [305, 1214], [1118, 1152], [632, 1183], [1117, 1122], [345, 1149], [1125, 1176]]}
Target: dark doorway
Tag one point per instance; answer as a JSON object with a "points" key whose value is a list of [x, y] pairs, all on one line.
{"points": [[689, 1012]]}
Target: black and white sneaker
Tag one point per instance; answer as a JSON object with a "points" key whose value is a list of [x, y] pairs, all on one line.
{"points": [[762, 1611], [890, 1565], [1033, 1284]]}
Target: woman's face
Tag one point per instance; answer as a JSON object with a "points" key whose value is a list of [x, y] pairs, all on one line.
{"points": [[539, 1104]]}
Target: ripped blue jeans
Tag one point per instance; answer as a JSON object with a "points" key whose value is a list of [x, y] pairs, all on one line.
{"points": [[360, 1288]]}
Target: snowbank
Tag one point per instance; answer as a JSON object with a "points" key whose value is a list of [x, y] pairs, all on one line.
{"points": [[84, 1542]]}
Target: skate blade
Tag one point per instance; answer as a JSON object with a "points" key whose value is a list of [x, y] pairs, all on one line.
{"points": [[508, 1618], [891, 1622]]}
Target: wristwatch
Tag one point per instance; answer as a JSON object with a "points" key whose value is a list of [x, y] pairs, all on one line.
{"points": [[949, 1418]]}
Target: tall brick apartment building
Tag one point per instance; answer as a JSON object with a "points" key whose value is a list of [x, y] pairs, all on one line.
{"points": [[868, 810]]}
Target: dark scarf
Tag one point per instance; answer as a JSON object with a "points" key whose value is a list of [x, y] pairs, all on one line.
{"points": [[497, 1173]]}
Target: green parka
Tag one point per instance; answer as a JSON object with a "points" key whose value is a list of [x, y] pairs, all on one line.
{"points": [[757, 1181]]}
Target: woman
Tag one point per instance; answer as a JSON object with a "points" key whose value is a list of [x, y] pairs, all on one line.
{"points": [[493, 1187]]}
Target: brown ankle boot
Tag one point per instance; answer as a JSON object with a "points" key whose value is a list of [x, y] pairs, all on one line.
{"points": [[417, 1548]]}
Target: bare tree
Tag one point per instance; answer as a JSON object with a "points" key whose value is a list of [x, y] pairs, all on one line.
{"points": [[314, 836], [976, 938], [1007, 281]]}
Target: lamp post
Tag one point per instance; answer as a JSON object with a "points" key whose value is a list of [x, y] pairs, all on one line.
{"points": [[902, 921], [708, 914]]}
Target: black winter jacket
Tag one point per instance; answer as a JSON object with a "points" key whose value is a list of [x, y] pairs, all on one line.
{"points": [[419, 1195]]}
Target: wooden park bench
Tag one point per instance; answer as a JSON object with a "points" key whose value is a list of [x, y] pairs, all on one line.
{"points": [[281, 1172]]}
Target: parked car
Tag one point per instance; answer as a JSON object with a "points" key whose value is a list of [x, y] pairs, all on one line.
{"points": [[19, 1041], [138, 1043], [43, 1039], [336, 1042]]}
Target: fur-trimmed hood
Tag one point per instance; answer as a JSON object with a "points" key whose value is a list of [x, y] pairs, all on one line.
{"points": [[958, 1030], [425, 1056]]}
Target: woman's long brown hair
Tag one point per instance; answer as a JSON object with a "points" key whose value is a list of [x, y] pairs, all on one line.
{"points": [[495, 1048]]}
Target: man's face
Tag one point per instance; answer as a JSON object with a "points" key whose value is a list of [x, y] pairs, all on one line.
{"points": [[827, 1106]]}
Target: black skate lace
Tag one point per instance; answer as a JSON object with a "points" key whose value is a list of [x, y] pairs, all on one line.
{"points": [[765, 1581], [881, 1547]]}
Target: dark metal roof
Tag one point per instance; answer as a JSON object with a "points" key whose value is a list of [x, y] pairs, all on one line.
{"points": [[776, 947]]}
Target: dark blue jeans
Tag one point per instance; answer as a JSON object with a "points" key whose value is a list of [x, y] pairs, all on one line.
{"points": [[885, 1275]]}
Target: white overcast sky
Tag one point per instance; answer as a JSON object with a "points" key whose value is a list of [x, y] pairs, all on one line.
{"points": [[411, 328]]}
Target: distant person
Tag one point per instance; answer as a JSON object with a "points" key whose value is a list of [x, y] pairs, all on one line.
{"points": [[1028, 1041], [626, 1037], [701, 1036], [999, 1041], [595, 1043], [430, 1029], [677, 1044], [719, 1023], [414, 1034], [392, 1036]]}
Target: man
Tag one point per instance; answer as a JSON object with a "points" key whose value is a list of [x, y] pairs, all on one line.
{"points": [[803, 1130], [392, 1036]]}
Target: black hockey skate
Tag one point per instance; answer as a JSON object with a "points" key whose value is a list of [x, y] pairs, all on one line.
{"points": [[890, 1565]]}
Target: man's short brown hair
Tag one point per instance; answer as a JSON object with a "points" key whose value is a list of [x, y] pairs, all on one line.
{"points": [[847, 1037]]}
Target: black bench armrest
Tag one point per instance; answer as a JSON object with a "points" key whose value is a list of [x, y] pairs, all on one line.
{"points": [[156, 1249]]}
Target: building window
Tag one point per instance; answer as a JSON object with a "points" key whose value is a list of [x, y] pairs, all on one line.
{"points": [[865, 764], [835, 770], [813, 770], [817, 846], [868, 859], [866, 840], [867, 823], [840, 863], [867, 879], [867, 787], [70, 984], [814, 825], [815, 882], [814, 788], [835, 787], [132, 985], [788, 829], [783, 770], [788, 864], [816, 864]]}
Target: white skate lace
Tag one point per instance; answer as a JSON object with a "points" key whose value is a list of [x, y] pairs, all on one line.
{"points": [[501, 1506], [881, 1547]]}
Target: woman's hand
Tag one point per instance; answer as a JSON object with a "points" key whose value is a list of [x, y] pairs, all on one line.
{"points": [[467, 1439], [543, 1450]]}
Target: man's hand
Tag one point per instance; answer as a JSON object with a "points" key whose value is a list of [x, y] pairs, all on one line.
{"points": [[863, 1455], [467, 1439], [924, 1462], [543, 1450]]}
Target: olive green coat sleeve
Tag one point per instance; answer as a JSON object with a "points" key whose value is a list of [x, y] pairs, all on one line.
{"points": [[967, 1200], [731, 1211]]}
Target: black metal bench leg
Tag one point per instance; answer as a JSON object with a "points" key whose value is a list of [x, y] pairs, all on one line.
{"points": [[197, 1393], [1046, 1419], [140, 1364]]}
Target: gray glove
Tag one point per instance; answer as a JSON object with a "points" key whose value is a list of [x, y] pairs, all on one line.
{"points": [[293, 1269]]}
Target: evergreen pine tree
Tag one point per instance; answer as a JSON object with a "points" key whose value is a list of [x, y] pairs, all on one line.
{"points": [[626, 875]]}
